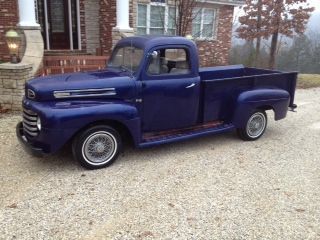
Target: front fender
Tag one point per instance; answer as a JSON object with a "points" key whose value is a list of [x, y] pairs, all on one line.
{"points": [[249, 101], [67, 118]]}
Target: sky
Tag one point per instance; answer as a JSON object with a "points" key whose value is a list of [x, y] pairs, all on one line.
{"points": [[316, 4], [314, 21]]}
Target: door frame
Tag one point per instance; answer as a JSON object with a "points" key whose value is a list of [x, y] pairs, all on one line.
{"points": [[192, 77], [69, 25], [66, 32]]}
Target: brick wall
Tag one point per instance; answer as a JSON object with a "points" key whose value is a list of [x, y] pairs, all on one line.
{"points": [[8, 20], [107, 21], [12, 81], [216, 52]]}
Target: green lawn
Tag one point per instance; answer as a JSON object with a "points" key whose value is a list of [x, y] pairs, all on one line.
{"points": [[308, 80]]}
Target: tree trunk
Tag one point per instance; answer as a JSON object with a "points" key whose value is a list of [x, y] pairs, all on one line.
{"points": [[257, 57], [258, 43], [273, 50]]}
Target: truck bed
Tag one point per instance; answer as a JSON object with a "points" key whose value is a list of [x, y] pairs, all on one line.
{"points": [[220, 86]]}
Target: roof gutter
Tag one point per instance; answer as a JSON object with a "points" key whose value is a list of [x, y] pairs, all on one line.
{"points": [[224, 2]]}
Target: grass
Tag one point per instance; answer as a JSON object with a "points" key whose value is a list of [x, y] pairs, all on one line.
{"points": [[308, 80]]}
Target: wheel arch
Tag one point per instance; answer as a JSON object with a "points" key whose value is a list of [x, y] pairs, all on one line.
{"points": [[260, 99], [120, 127]]}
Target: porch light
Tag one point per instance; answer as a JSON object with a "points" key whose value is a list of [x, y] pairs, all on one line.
{"points": [[13, 42], [189, 36]]}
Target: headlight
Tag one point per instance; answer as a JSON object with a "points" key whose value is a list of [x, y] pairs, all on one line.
{"points": [[39, 124]]}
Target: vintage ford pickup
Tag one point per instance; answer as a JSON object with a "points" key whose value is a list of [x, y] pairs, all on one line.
{"points": [[152, 92]]}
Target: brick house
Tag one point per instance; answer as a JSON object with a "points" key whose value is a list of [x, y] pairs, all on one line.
{"points": [[82, 27]]}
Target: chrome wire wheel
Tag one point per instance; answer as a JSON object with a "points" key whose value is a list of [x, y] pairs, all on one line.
{"points": [[99, 148], [256, 125]]}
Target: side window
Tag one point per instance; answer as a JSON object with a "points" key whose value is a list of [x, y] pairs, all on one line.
{"points": [[172, 61]]}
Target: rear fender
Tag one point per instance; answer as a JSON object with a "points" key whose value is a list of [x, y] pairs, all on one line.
{"points": [[264, 99]]}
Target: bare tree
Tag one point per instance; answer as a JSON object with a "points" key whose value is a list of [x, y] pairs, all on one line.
{"points": [[185, 15], [265, 18], [252, 24], [186, 12]]}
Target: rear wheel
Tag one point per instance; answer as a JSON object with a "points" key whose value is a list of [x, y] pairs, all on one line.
{"points": [[97, 147], [255, 127]]}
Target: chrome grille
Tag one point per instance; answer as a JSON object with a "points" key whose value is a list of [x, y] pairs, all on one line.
{"points": [[30, 123]]}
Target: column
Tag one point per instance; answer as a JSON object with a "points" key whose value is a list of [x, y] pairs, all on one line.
{"points": [[33, 41], [123, 15], [27, 13]]}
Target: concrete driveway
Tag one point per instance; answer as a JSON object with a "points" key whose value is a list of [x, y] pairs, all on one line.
{"points": [[216, 187]]}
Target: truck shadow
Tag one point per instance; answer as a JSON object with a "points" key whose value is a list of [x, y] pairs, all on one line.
{"points": [[199, 144], [63, 160]]}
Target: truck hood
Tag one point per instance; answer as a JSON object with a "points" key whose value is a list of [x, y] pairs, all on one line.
{"points": [[98, 84]]}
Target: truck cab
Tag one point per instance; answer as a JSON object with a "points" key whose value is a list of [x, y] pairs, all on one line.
{"points": [[151, 92]]}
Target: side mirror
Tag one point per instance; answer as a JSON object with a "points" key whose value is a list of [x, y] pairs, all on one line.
{"points": [[154, 55]]}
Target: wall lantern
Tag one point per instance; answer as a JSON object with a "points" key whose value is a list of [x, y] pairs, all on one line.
{"points": [[189, 37], [13, 41]]}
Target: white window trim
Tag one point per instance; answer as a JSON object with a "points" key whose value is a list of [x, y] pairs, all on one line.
{"points": [[46, 24], [166, 15], [70, 25], [78, 24], [214, 25]]}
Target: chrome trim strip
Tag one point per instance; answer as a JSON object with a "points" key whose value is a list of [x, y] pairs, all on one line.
{"points": [[30, 123], [29, 128], [29, 112], [31, 118], [33, 134], [85, 93]]}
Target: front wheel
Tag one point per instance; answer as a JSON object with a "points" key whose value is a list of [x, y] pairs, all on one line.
{"points": [[97, 147], [255, 127]]}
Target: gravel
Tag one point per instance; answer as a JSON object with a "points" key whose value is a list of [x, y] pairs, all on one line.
{"points": [[216, 187]]}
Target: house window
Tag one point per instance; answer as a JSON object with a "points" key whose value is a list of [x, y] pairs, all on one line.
{"points": [[142, 19], [203, 23], [156, 19], [172, 14]]}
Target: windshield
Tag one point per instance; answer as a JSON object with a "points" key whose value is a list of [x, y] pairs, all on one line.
{"points": [[127, 58]]}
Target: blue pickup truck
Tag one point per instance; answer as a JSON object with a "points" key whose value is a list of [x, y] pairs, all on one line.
{"points": [[151, 92]]}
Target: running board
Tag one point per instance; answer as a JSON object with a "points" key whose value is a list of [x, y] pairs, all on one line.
{"points": [[152, 139]]}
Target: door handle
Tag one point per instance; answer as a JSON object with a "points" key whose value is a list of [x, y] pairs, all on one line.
{"points": [[191, 85]]}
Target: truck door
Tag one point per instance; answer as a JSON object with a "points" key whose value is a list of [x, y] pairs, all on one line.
{"points": [[170, 90]]}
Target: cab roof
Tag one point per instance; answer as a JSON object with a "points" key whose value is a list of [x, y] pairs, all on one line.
{"points": [[149, 41]]}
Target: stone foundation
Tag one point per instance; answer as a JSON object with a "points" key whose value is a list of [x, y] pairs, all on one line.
{"points": [[12, 82]]}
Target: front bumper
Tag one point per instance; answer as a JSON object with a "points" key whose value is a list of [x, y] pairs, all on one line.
{"points": [[35, 151]]}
